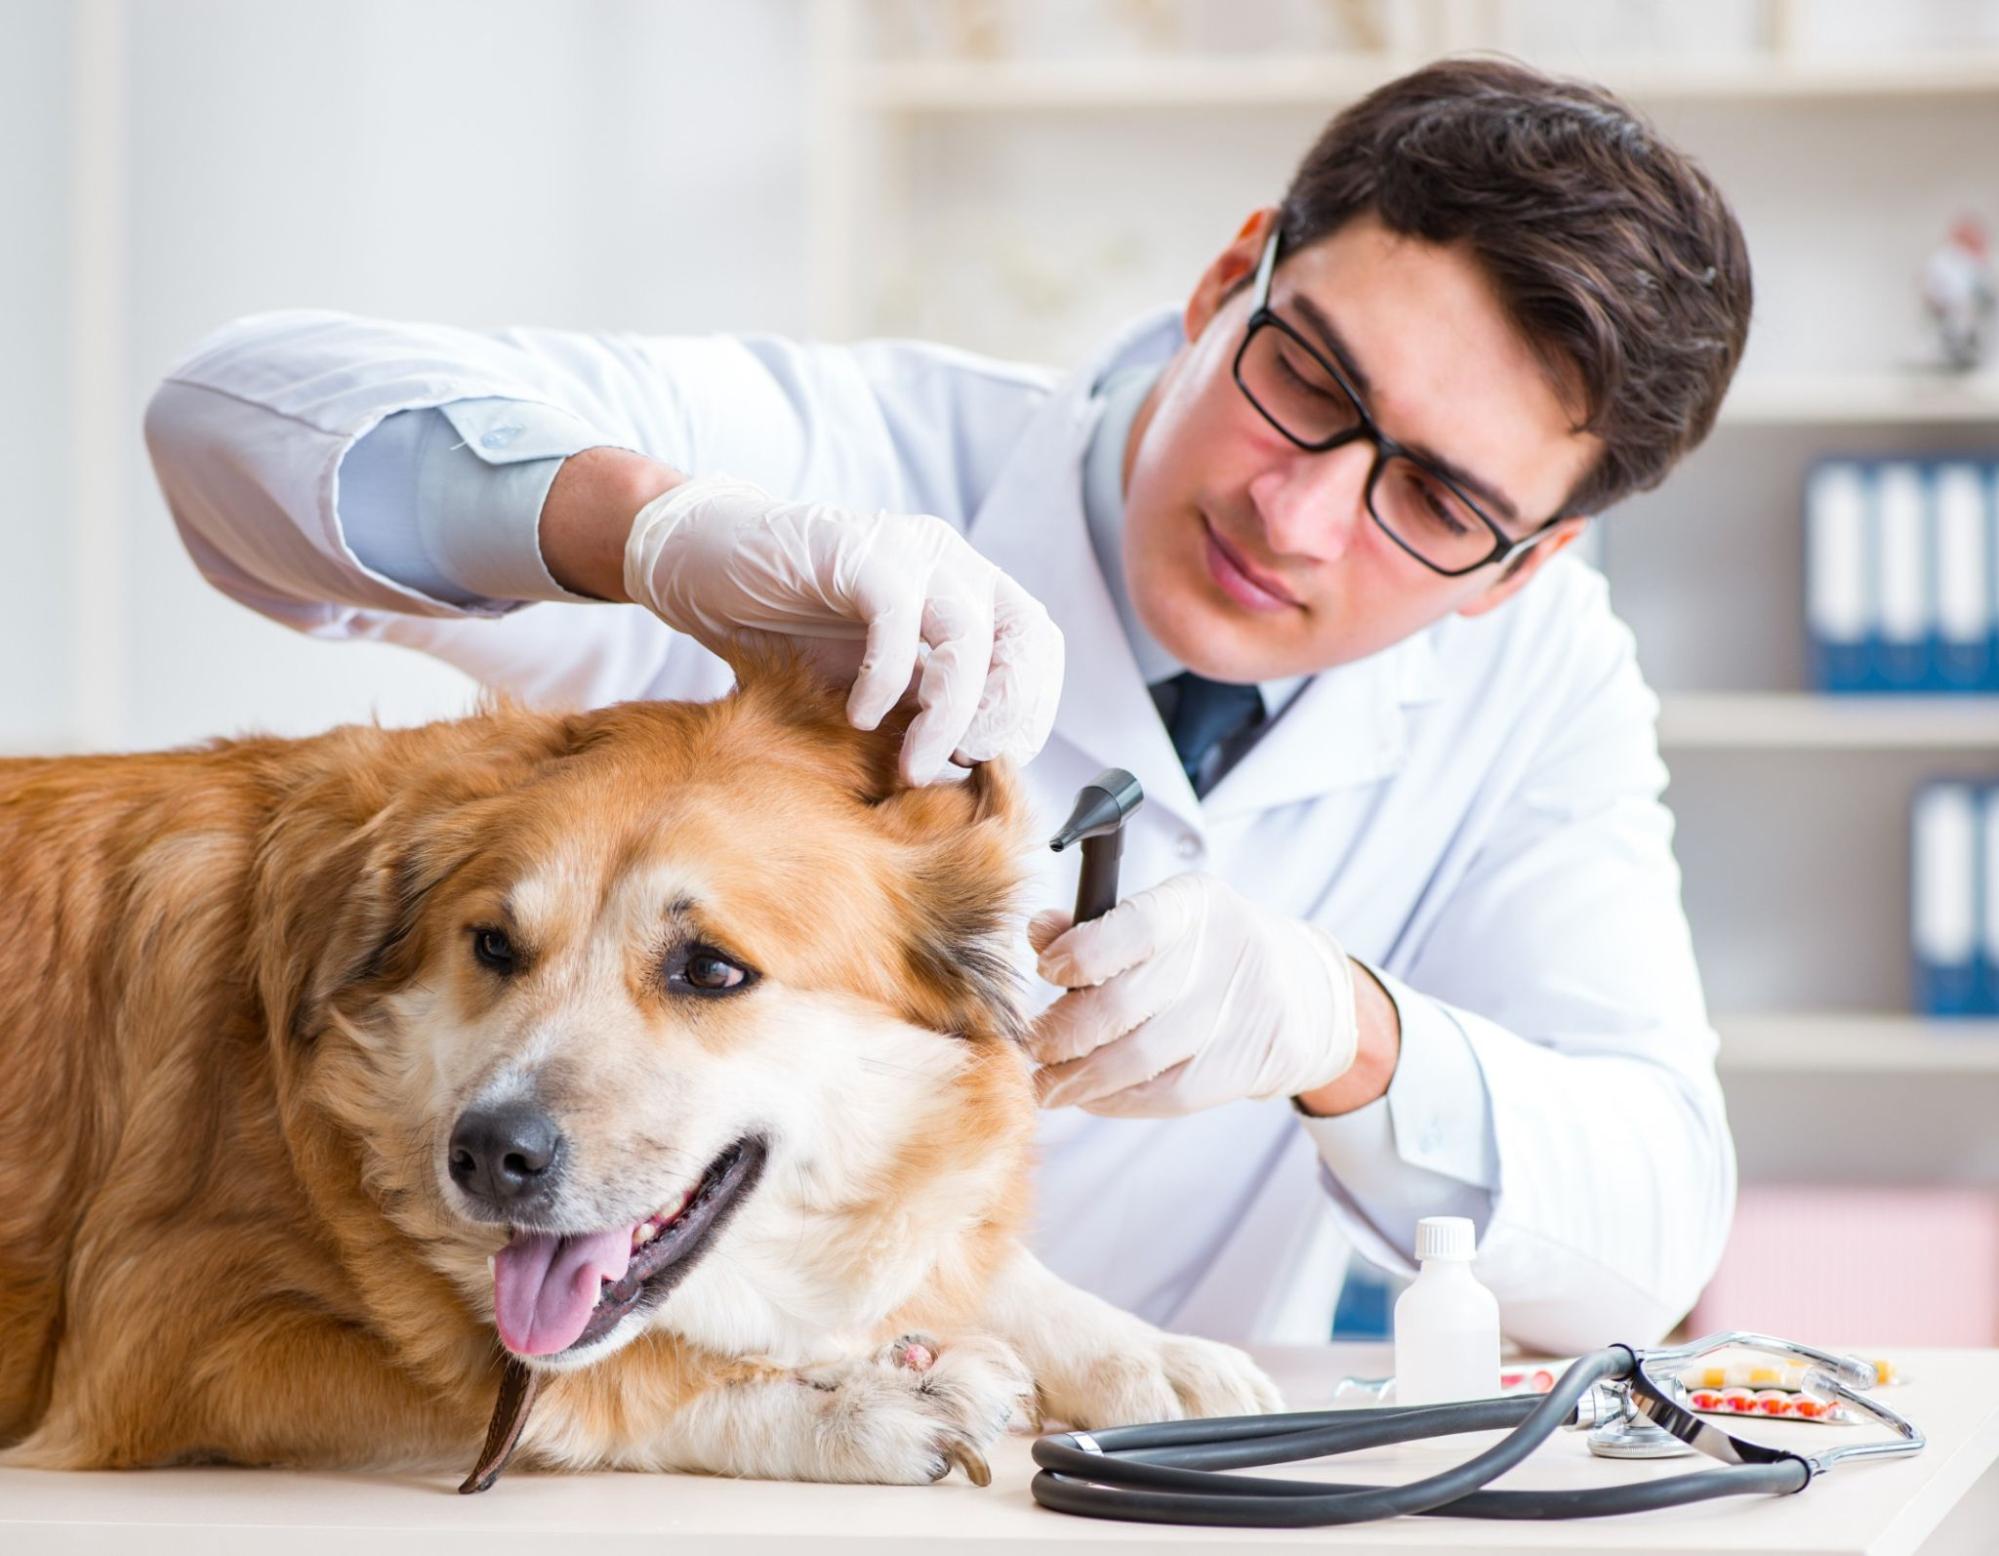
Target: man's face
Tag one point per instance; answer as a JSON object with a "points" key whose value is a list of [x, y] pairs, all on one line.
{"points": [[1213, 490]]}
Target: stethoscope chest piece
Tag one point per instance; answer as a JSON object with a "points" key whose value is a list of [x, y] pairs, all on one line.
{"points": [[1618, 1429], [1634, 1437]]}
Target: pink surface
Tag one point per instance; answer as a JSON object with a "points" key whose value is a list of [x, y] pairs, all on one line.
{"points": [[1879, 1266]]}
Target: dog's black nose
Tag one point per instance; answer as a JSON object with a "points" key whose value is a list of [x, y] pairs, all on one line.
{"points": [[506, 1154]]}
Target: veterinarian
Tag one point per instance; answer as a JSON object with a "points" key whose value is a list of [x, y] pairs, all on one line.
{"points": [[1402, 933]]}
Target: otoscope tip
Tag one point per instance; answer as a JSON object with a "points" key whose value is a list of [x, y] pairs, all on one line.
{"points": [[1101, 806]]}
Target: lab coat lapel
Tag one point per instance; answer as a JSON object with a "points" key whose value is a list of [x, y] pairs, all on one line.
{"points": [[1348, 726], [1032, 527]]}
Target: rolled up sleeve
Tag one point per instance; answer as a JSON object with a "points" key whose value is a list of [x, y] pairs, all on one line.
{"points": [[448, 500], [249, 434]]}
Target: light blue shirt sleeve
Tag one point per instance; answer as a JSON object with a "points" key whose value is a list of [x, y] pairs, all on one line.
{"points": [[447, 500], [1426, 1148]]}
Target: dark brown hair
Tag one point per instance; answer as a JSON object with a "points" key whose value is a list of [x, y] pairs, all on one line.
{"points": [[1614, 254]]}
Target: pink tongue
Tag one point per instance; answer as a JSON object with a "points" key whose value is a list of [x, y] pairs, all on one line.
{"points": [[544, 1286]]}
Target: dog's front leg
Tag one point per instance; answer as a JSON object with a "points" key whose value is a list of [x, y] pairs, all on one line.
{"points": [[903, 1416], [1095, 1365], [287, 1385]]}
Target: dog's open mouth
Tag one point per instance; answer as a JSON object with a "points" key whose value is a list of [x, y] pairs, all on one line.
{"points": [[555, 1291]]}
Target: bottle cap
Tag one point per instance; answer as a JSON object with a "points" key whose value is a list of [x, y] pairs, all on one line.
{"points": [[1446, 1237]]}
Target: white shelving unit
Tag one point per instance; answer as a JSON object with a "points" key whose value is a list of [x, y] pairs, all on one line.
{"points": [[1842, 1043], [1789, 804], [1805, 721], [1873, 400], [1313, 81]]}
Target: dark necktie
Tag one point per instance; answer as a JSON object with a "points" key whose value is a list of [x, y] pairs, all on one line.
{"points": [[1205, 714]]}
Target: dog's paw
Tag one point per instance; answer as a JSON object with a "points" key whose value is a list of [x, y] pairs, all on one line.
{"points": [[917, 1408], [1152, 1376]]}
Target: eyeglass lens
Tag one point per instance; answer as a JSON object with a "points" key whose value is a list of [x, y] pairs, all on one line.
{"points": [[1293, 388]]}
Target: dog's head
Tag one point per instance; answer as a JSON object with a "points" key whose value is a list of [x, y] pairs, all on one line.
{"points": [[665, 995]]}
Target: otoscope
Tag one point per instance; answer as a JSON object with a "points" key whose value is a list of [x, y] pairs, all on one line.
{"points": [[1102, 807]]}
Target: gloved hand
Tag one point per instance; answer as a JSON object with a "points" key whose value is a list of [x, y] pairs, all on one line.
{"points": [[1187, 996], [715, 557]]}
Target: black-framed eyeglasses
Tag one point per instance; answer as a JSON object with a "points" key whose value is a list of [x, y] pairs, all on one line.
{"points": [[1309, 400]]}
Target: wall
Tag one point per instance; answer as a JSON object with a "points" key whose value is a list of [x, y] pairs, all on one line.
{"points": [[617, 164], [36, 580]]}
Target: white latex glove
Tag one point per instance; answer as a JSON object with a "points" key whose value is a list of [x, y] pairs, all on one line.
{"points": [[716, 558], [1187, 996]]}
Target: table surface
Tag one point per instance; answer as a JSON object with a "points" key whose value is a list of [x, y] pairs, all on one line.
{"points": [[1877, 1508]]}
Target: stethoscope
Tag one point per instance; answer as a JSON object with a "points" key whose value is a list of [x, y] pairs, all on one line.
{"points": [[1630, 1401]]}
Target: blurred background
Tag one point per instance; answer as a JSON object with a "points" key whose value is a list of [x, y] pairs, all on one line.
{"points": [[1019, 177]]}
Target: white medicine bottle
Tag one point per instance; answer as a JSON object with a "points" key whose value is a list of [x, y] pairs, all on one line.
{"points": [[1446, 1323]]}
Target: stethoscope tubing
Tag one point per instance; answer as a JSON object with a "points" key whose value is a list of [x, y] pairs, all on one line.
{"points": [[1302, 1504], [1170, 1473], [1240, 1442]]}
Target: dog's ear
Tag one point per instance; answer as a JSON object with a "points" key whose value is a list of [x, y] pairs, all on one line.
{"points": [[799, 684], [411, 849], [962, 843], [375, 822], [804, 688], [963, 851]]}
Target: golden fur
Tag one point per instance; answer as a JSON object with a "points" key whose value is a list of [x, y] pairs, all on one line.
{"points": [[237, 1010]]}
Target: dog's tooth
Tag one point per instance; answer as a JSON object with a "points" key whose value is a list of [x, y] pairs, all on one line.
{"points": [[644, 1234]]}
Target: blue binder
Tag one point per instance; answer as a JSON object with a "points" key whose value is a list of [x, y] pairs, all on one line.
{"points": [[1988, 917], [1839, 608], [1944, 908], [1991, 683], [1904, 597], [1961, 532], [1902, 575]]}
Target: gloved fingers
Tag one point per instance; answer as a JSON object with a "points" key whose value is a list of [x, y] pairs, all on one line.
{"points": [[1023, 687], [1166, 1095], [1225, 1070], [1134, 931], [1150, 1049], [959, 629], [1084, 1020], [895, 634], [1046, 925]]}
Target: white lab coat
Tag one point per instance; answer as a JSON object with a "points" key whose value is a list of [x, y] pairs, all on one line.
{"points": [[1474, 811]]}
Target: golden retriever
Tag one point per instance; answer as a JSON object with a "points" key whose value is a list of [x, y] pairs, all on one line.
{"points": [[663, 1058]]}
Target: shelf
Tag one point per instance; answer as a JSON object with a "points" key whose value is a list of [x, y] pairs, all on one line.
{"points": [[1914, 397], [1804, 721], [999, 86], [1804, 1044], [954, 86]]}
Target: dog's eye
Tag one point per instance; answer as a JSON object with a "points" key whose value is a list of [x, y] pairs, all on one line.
{"points": [[707, 971], [493, 948]]}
